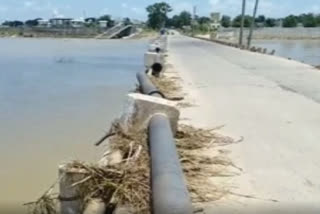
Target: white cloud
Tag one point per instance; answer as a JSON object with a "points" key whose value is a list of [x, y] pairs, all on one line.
{"points": [[124, 5], [29, 3], [56, 13]]}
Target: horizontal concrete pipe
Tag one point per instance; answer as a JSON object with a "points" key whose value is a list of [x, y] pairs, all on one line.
{"points": [[169, 191], [147, 86]]}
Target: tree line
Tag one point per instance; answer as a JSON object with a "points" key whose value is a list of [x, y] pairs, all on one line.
{"points": [[90, 22], [158, 18], [306, 20]]}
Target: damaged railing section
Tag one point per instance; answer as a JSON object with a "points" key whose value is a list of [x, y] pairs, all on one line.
{"points": [[148, 111], [169, 191]]}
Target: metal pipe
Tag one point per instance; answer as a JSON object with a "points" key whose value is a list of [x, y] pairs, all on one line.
{"points": [[169, 191], [146, 85]]}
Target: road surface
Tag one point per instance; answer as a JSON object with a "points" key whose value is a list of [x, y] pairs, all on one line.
{"points": [[274, 103]]}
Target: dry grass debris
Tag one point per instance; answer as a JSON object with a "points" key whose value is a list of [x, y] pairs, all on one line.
{"points": [[172, 89], [198, 167], [128, 182]]}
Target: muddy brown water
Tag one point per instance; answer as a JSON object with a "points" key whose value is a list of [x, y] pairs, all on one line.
{"points": [[57, 97]]}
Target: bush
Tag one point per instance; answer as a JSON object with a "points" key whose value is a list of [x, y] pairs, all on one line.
{"points": [[226, 21], [309, 21], [290, 21], [237, 21]]}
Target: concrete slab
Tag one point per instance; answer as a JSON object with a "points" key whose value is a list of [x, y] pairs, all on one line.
{"points": [[151, 58], [140, 108]]}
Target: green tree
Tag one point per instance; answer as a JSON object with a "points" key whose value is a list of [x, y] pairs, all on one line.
{"points": [[270, 22], [318, 20], [226, 21], [157, 14], [237, 21], [127, 21], [178, 21], [173, 22], [185, 19], [261, 19], [108, 19], [15, 23], [203, 20], [309, 20], [290, 21], [32, 22]]}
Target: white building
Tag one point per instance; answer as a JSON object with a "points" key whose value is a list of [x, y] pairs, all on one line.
{"points": [[43, 23], [60, 22], [77, 23], [103, 24]]}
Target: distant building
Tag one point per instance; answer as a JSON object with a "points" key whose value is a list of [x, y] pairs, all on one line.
{"points": [[215, 21], [43, 23], [260, 24], [90, 20], [77, 23], [279, 23], [103, 24], [60, 22]]}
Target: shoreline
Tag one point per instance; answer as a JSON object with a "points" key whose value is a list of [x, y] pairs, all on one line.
{"points": [[257, 48], [284, 38], [19, 33]]}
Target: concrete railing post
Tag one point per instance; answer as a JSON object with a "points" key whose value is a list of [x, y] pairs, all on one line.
{"points": [[70, 201]]}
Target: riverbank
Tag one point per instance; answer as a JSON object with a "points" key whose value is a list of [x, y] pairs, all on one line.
{"points": [[82, 33]]}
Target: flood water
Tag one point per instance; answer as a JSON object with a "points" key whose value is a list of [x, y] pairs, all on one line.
{"points": [[307, 51], [57, 97]]}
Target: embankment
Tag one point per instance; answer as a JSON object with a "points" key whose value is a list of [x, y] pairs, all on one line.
{"points": [[272, 33], [64, 33]]}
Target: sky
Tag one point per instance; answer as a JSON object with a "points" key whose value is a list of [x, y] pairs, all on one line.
{"points": [[29, 9]]}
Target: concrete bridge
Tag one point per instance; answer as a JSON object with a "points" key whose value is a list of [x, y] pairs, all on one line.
{"points": [[274, 104], [117, 31]]}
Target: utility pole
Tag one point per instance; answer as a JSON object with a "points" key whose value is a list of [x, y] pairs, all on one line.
{"points": [[194, 19], [242, 21], [165, 18], [253, 23]]}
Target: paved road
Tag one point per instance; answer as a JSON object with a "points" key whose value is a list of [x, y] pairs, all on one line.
{"points": [[274, 104]]}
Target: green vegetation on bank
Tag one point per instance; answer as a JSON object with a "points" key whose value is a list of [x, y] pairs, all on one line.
{"points": [[158, 18]]}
